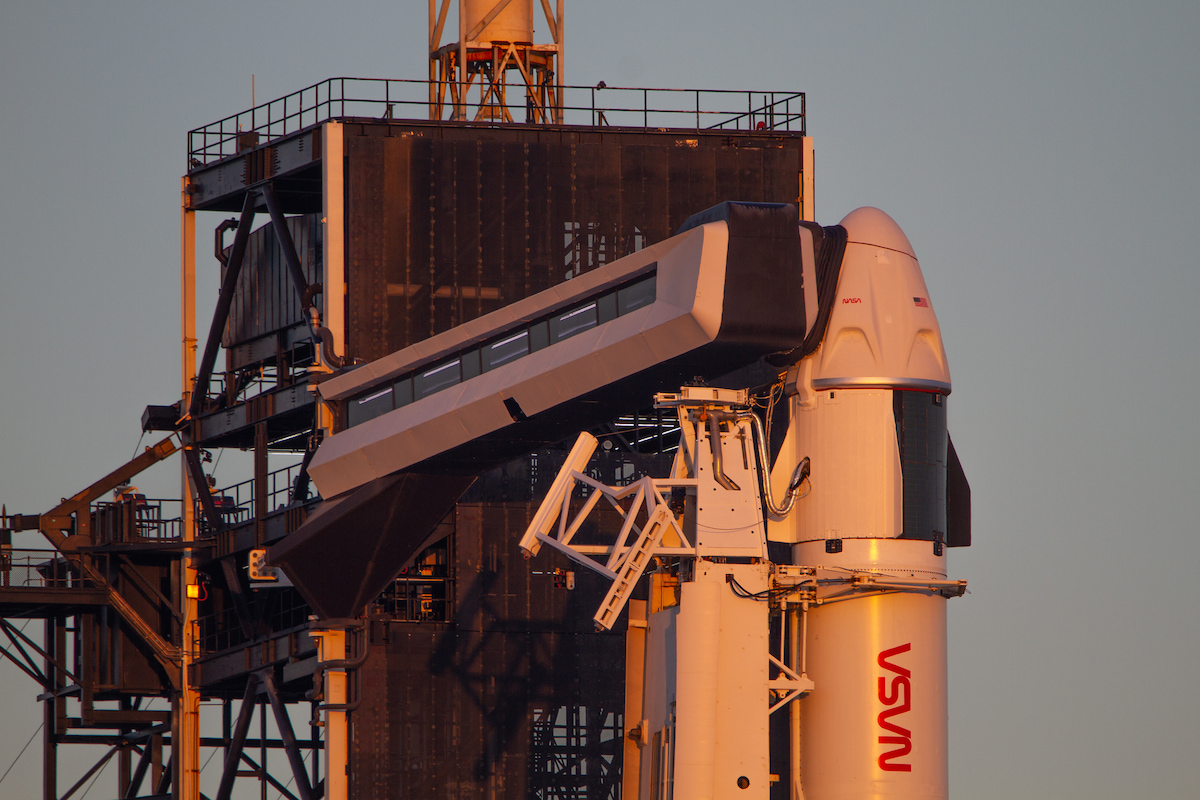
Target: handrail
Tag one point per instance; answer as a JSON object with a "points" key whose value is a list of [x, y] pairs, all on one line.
{"points": [[624, 107], [38, 568], [237, 500]]}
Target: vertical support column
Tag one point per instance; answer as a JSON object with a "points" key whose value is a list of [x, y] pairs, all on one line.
{"points": [[187, 297], [185, 717], [460, 108], [331, 646], [333, 282], [124, 769], [261, 490], [156, 762], [635, 673], [792, 620], [808, 197], [50, 714], [561, 41], [433, 46]]}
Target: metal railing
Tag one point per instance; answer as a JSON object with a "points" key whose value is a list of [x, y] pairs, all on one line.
{"points": [[236, 502], [221, 630], [593, 106], [38, 569], [136, 518]]}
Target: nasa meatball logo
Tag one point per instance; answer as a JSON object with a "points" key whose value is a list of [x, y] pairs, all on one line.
{"points": [[895, 692]]}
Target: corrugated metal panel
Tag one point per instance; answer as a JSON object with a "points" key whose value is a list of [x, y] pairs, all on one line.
{"points": [[445, 225], [266, 301]]}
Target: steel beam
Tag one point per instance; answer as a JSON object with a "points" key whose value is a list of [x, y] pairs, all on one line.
{"points": [[50, 717], [139, 773], [284, 235], [167, 778], [270, 779], [233, 753], [221, 314], [29, 667], [229, 570], [284, 723], [55, 521], [200, 484]]}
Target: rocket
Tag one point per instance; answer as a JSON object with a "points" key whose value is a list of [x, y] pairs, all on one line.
{"points": [[888, 497]]}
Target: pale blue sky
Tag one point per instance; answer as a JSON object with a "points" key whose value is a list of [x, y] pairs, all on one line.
{"points": [[1042, 158]]}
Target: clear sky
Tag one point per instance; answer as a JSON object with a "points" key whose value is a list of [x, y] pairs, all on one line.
{"points": [[1042, 158]]}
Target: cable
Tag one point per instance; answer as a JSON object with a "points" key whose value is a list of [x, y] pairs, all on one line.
{"points": [[772, 399], [18, 758], [93, 783], [136, 446], [766, 595], [210, 758], [292, 779]]}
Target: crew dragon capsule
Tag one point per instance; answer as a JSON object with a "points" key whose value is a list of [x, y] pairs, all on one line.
{"points": [[868, 406]]}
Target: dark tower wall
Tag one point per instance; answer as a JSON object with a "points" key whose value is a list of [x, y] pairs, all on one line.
{"points": [[444, 224], [516, 697], [505, 691]]}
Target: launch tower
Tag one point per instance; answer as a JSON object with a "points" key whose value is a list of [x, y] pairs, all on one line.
{"points": [[360, 217]]}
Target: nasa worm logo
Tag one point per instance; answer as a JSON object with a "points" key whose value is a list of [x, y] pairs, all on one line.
{"points": [[897, 696]]}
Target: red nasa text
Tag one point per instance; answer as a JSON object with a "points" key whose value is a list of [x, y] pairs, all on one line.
{"points": [[897, 696]]}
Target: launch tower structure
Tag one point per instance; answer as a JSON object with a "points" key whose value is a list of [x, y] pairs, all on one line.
{"points": [[385, 224], [496, 41]]}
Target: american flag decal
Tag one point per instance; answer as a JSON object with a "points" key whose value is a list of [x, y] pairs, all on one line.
{"points": [[920, 302]]}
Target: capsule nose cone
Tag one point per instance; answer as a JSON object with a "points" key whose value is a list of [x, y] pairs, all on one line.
{"points": [[871, 226]]}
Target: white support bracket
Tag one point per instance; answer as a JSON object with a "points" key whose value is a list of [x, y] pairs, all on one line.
{"points": [[633, 564], [635, 545], [865, 583], [789, 685]]}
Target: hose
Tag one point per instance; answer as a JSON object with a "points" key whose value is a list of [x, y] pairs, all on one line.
{"points": [[799, 475]]}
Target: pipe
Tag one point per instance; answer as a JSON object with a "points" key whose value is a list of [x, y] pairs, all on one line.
{"points": [[327, 354], [799, 474], [717, 446], [219, 240]]}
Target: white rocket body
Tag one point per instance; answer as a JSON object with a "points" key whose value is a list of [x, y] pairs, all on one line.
{"points": [[869, 410]]}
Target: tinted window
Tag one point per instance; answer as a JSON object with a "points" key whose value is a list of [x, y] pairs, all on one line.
{"points": [[577, 320], [369, 407], [437, 378], [636, 295], [507, 349]]}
